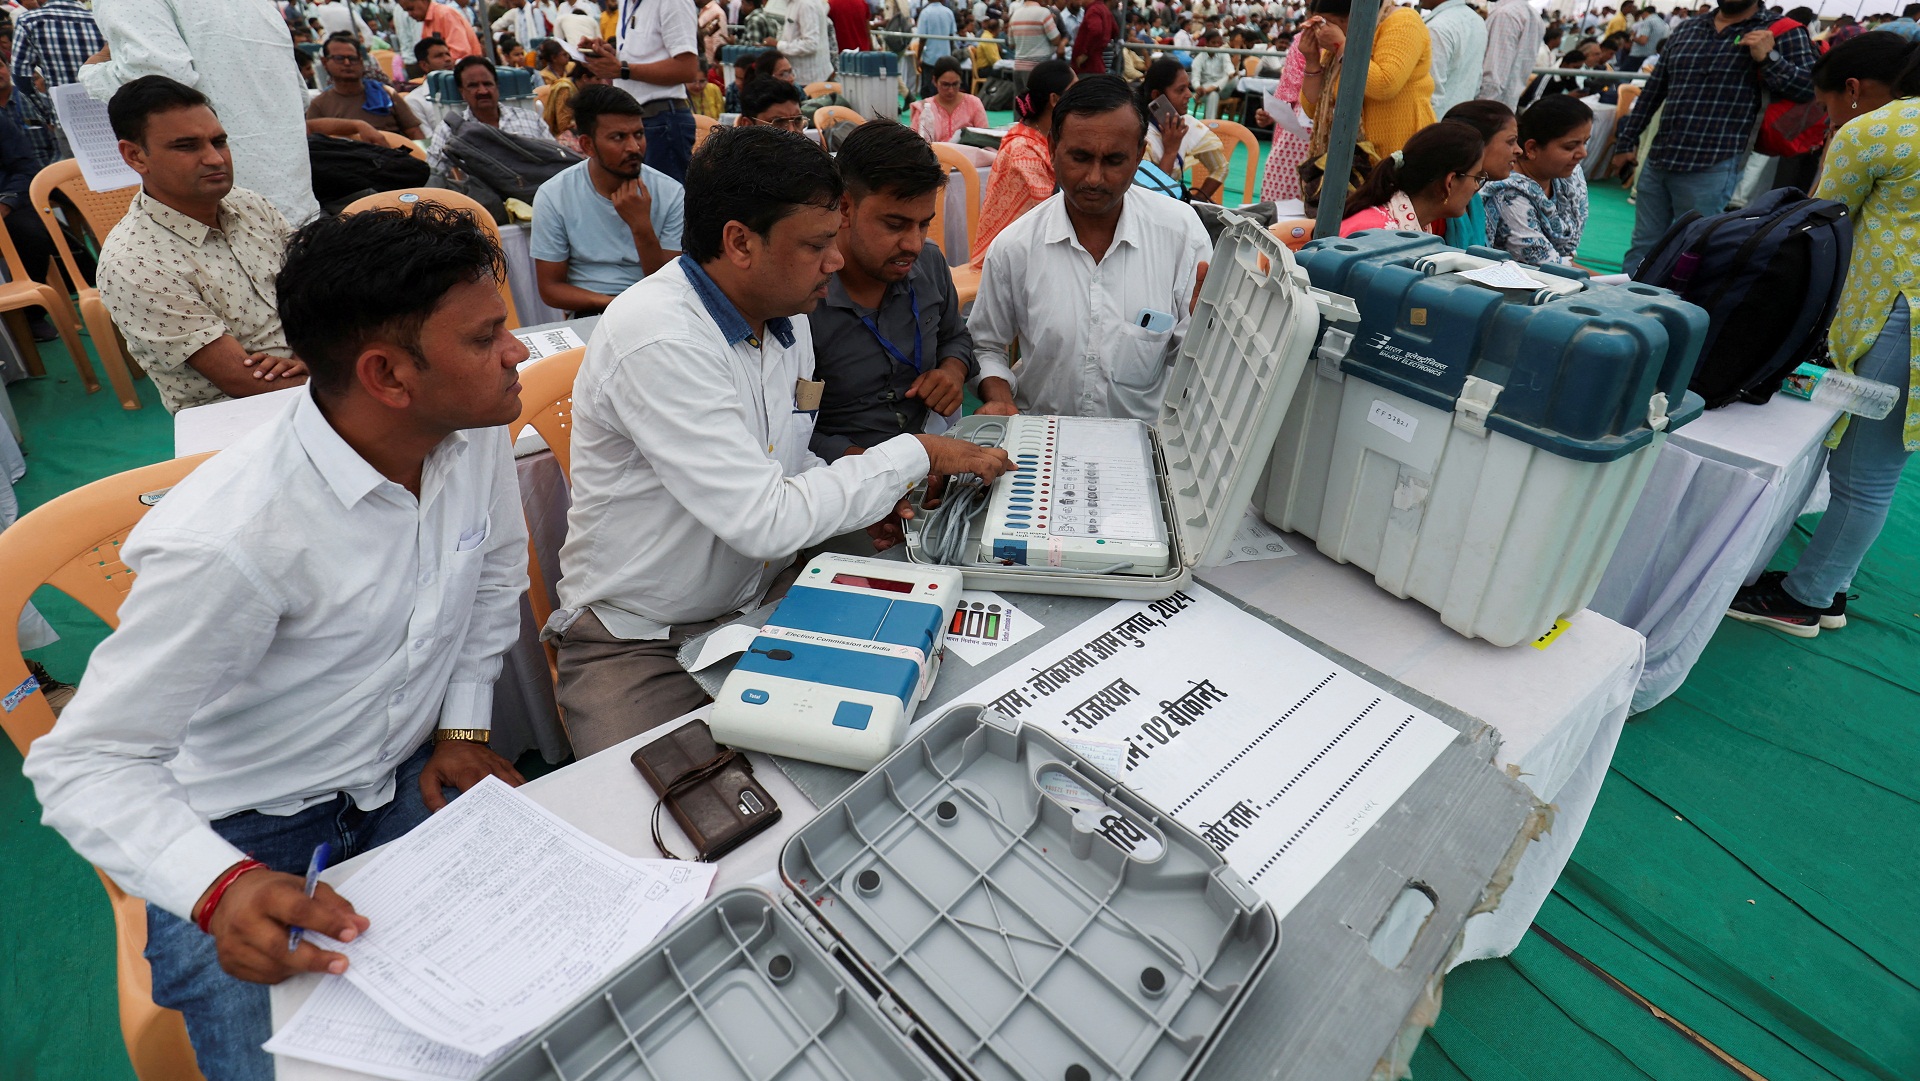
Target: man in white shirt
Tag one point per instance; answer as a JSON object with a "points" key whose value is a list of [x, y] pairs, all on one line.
{"points": [[807, 40], [1095, 284], [1514, 32], [431, 54], [525, 20], [693, 484], [1459, 47], [480, 89], [658, 55], [337, 18], [308, 651], [1213, 74]]}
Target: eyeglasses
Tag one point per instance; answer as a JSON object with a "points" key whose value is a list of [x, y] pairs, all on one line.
{"points": [[1480, 180], [789, 123], [343, 59]]}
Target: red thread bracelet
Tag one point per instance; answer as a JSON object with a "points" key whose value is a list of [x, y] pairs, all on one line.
{"points": [[205, 919]]}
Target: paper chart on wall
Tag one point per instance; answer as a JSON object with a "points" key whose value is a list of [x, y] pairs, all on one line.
{"points": [[1279, 758]]}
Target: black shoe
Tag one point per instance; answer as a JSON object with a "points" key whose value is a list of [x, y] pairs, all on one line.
{"points": [[58, 693], [1769, 605], [42, 330], [1832, 618]]}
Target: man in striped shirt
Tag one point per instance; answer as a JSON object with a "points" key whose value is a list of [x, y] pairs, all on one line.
{"points": [[1036, 37], [53, 40]]}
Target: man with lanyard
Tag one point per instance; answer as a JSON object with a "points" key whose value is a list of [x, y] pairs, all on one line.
{"points": [[693, 484], [657, 56], [1714, 76], [895, 289]]}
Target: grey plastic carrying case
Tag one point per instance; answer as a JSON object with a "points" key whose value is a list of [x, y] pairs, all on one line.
{"points": [[983, 904]]}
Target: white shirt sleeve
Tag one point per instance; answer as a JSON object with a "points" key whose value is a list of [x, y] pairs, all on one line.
{"points": [[995, 319], [801, 34], [684, 414], [194, 621], [145, 41], [495, 624], [680, 28]]}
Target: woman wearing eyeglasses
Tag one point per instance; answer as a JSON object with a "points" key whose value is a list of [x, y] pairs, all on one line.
{"points": [[1422, 185], [1538, 213]]}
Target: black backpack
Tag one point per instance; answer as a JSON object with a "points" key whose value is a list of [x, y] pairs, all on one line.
{"points": [[1769, 277], [510, 165], [345, 169]]}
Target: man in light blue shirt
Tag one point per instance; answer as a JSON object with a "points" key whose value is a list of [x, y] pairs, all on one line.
{"points": [[609, 221], [1907, 25], [935, 18]]}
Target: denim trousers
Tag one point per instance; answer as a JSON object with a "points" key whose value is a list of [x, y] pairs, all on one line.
{"points": [[1864, 470], [1664, 195], [670, 142], [227, 1018]]}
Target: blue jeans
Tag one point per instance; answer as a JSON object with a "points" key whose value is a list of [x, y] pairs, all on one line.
{"points": [[670, 142], [1864, 470], [228, 1019], [1664, 195]]}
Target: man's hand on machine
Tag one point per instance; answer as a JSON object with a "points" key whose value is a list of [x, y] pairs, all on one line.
{"points": [[947, 456], [996, 398]]}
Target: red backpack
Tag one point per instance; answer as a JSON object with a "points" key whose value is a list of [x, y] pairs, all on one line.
{"points": [[1790, 128]]}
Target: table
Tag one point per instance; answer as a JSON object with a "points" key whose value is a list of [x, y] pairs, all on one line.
{"points": [[1724, 492], [514, 241]]}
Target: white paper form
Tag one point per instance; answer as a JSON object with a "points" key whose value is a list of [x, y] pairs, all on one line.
{"points": [[495, 913], [84, 119], [339, 1025], [1276, 756], [1254, 539], [545, 343]]}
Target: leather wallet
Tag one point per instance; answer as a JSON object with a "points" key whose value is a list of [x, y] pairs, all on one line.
{"points": [[709, 790]]}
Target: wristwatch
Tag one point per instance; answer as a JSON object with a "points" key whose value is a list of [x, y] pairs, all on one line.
{"points": [[1772, 57], [626, 70], [471, 735]]}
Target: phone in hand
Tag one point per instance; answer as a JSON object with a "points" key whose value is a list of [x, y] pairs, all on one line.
{"points": [[1162, 109]]}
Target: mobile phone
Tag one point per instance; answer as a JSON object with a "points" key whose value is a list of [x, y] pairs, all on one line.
{"points": [[1162, 109], [1155, 321]]}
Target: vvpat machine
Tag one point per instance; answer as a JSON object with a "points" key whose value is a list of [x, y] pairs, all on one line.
{"points": [[1100, 507], [843, 661], [1479, 441]]}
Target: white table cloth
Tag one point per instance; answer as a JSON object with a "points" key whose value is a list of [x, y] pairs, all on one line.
{"points": [[1558, 710], [1724, 491], [514, 241], [1599, 156]]}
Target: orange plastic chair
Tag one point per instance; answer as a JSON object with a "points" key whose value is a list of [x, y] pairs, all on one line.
{"points": [[821, 89], [1250, 66], [966, 280], [828, 115], [21, 292], [407, 198], [73, 545], [1232, 134], [703, 126], [400, 142], [100, 211], [546, 403], [1293, 232]]}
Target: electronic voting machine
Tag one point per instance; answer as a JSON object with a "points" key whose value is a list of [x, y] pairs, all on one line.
{"points": [[835, 674], [1117, 508]]}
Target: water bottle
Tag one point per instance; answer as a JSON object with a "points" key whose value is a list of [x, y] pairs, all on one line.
{"points": [[1867, 398]]}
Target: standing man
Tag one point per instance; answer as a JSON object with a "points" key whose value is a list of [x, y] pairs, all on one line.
{"points": [[480, 89], [34, 113], [54, 39], [850, 25], [658, 55], [525, 21], [1036, 38], [447, 23], [1514, 37], [1648, 34], [1459, 49], [338, 17], [352, 96], [935, 18], [1708, 89], [238, 54], [692, 483], [609, 221], [888, 339], [807, 40], [758, 26], [1071, 281], [1099, 29], [309, 650]]}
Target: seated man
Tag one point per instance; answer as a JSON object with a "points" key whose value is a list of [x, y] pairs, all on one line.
{"points": [[776, 102], [352, 96], [309, 650], [474, 75], [1095, 285], [609, 221], [888, 339], [432, 55], [188, 273], [692, 483]]}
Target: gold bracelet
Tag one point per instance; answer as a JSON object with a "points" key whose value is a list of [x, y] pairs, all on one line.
{"points": [[475, 735]]}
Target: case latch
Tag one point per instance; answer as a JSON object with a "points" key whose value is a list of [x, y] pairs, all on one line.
{"points": [[1657, 411], [1335, 344], [1334, 306], [1475, 402]]}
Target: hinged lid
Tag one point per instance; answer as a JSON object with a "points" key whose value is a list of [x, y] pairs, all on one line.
{"points": [[1251, 334]]}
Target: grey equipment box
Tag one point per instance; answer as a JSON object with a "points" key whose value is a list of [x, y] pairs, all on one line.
{"points": [[983, 904]]}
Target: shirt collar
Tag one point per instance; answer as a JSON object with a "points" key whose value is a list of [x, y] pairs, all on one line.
{"points": [[1060, 227], [348, 474], [191, 230], [733, 326]]}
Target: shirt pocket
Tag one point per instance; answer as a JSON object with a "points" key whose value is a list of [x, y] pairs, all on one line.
{"points": [[460, 571], [1139, 356], [792, 450]]}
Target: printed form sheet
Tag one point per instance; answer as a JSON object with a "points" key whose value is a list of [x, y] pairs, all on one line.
{"points": [[1279, 758], [495, 913]]}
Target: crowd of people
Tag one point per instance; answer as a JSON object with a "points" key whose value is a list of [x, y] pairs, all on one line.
{"points": [[777, 329]]}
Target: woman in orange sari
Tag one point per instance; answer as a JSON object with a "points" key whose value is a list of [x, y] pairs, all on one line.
{"points": [[1022, 176]]}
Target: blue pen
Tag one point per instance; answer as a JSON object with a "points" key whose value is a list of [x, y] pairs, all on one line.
{"points": [[314, 866]]}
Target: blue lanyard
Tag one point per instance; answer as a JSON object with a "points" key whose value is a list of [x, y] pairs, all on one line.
{"points": [[913, 300]]}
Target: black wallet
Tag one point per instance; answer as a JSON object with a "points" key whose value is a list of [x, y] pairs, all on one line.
{"points": [[709, 790]]}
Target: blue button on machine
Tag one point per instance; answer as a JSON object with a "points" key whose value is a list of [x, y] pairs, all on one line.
{"points": [[753, 697], [853, 715]]}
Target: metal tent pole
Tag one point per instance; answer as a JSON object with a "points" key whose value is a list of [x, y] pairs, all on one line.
{"points": [[1346, 116]]}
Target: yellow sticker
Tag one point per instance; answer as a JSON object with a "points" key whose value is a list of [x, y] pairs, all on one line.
{"points": [[1418, 317], [1545, 640]]}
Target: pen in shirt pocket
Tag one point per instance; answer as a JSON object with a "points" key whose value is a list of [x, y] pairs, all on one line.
{"points": [[315, 865]]}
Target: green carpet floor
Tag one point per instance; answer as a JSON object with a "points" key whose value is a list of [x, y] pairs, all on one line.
{"points": [[1749, 870]]}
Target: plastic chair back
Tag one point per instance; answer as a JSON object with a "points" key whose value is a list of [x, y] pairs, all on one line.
{"points": [[954, 161], [73, 545], [1250, 66], [821, 89], [703, 126], [546, 403], [400, 142], [408, 198], [99, 212], [828, 115], [1232, 134]]}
